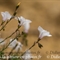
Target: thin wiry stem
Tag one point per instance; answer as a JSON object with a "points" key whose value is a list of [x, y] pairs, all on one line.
{"points": [[31, 46], [13, 49], [10, 42], [14, 14], [2, 23], [5, 24], [11, 34]]}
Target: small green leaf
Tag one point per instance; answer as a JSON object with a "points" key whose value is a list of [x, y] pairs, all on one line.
{"points": [[17, 6], [24, 40], [1, 53], [24, 34]]}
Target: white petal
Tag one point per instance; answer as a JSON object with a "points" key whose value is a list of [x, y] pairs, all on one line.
{"points": [[28, 21], [22, 20], [40, 29], [27, 55], [13, 43], [5, 15], [8, 15], [19, 46], [25, 23], [43, 33]]}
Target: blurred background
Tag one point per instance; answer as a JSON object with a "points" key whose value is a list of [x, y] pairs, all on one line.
{"points": [[44, 13]]}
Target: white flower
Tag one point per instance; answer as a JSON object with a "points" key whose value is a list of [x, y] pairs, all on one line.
{"points": [[25, 22], [13, 43], [3, 43], [19, 46], [43, 33], [27, 55], [26, 25], [5, 15], [22, 20]]}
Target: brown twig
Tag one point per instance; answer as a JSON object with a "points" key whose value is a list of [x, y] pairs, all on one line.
{"points": [[11, 34], [32, 46], [10, 42]]}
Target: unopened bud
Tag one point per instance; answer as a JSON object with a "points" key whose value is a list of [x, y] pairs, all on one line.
{"points": [[18, 5]]}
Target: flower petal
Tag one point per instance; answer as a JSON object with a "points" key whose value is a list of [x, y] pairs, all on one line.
{"points": [[5, 15], [13, 43], [43, 33], [25, 23], [19, 46]]}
